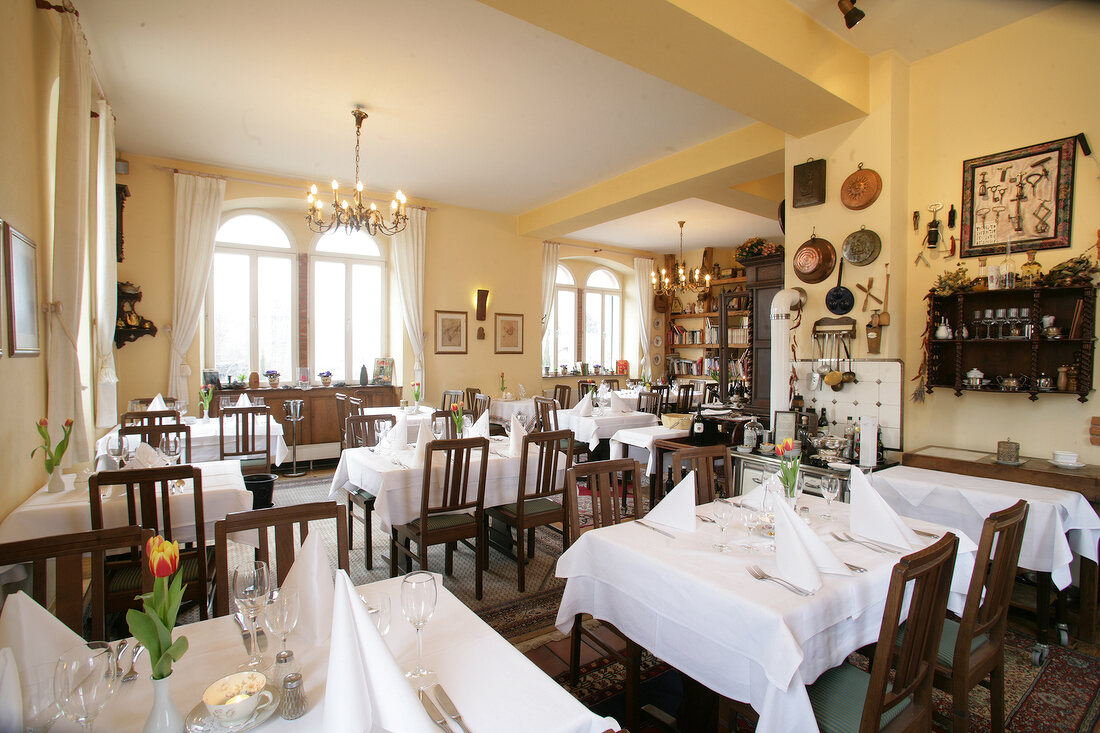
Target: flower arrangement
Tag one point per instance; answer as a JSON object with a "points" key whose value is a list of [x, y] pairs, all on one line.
{"points": [[953, 281], [205, 395], [416, 391], [53, 457], [788, 467], [757, 247], [272, 374], [153, 625], [456, 415], [325, 374], [502, 387]]}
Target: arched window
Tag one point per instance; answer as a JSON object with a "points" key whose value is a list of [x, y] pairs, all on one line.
{"points": [[559, 344], [347, 303], [603, 318], [252, 322]]}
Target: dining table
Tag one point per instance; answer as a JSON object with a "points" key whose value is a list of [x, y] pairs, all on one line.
{"points": [[637, 443], [415, 417], [700, 611], [602, 423], [501, 410], [205, 433], [493, 685]]}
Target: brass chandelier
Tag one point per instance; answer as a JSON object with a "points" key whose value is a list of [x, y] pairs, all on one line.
{"points": [[354, 216], [687, 280]]}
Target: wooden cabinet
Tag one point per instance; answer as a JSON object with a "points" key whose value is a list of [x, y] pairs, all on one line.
{"points": [[694, 336], [1004, 346], [763, 278]]}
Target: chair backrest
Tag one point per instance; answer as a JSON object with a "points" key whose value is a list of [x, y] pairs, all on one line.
{"points": [[155, 434], [283, 520], [607, 482], [363, 430], [685, 394], [553, 447], [481, 405], [584, 387], [453, 489], [986, 610], [711, 392], [342, 416], [649, 402], [635, 383], [563, 393], [546, 414], [150, 417], [448, 421], [471, 393], [712, 466], [450, 396], [68, 552], [610, 383], [244, 440], [928, 571], [355, 405]]}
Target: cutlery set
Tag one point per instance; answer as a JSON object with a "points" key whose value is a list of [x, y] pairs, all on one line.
{"points": [[874, 546], [444, 700]]}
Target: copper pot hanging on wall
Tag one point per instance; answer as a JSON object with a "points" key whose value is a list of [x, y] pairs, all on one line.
{"points": [[814, 260], [860, 189]]}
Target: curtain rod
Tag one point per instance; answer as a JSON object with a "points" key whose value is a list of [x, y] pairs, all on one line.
{"points": [[595, 250]]}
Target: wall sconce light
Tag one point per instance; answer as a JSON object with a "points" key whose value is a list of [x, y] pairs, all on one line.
{"points": [[482, 298], [852, 14]]}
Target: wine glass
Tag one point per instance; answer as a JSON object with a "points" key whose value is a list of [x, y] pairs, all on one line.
{"points": [[751, 518], [39, 701], [171, 447], [250, 583], [439, 427], [378, 608], [83, 681], [722, 511], [281, 613], [830, 489], [418, 604], [116, 448]]}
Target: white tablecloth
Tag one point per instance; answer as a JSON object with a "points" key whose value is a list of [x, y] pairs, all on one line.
{"points": [[501, 411], [204, 440], [494, 686], [414, 418], [68, 511], [700, 611], [631, 396], [592, 429], [398, 487], [640, 442], [1059, 523]]}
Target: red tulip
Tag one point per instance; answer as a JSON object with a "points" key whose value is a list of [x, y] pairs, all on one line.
{"points": [[164, 557]]}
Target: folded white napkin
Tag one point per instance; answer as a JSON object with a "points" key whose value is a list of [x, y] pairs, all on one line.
{"points": [[800, 553], [311, 578], [398, 436], [105, 462], [755, 498], [584, 407], [677, 509], [365, 689], [515, 440], [480, 429], [618, 404], [872, 518], [11, 696], [33, 634], [243, 401], [157, 403], [146, 456], [421, 448], [603, 389]]}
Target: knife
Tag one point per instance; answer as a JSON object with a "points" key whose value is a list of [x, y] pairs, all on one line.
{"points": [[444, 700], [433, 711], [658, 531]]}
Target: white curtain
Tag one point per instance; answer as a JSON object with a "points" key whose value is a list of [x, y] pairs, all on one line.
{"points": [[106, 408], [198, 206], [70, 240], [549, 277], [643, 268], [409, 246]]}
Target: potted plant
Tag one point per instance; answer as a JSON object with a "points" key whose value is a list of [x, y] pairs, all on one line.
{"points": [[326, 378], [757, 247], [272, 377], [416, 396], [53, 457], [456, 415], [205, 395], [789, 462]]}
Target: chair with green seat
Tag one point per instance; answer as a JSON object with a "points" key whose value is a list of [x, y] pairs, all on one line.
{"points": [[973, 648], [535, 503], [362, 431], [244, 440], [148, 493], [846, 699], [546, 420], [563, 393], [452, 507]]}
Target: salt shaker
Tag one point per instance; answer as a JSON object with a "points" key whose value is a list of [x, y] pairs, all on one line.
{"points": [[294, 703], [285, 664]]}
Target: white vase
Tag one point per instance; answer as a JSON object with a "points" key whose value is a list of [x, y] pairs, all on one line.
{"points": [[165, 717], [56, 483]]}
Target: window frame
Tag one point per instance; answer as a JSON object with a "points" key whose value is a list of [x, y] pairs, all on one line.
{"points": [[603, 292], [579, 292]]}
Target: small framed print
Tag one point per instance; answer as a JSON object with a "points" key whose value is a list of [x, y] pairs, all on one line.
{"points": [[509, 333], [21, 283], [450, 332], [786, 425]]}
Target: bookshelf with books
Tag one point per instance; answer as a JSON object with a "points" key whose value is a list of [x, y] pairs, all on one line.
{"points": [[694, 343]]}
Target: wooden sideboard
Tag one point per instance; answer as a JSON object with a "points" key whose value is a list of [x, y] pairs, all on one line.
{"points": [[319, 411]]}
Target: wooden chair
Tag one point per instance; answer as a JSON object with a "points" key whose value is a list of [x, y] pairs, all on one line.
{"points": [[713, 468], [563, 393], [534, 505], [450, 432], [150, 417], [282, 519], [662, 395], [635, 383], [244, 439], [363, 431], [685, 395], [711, 393], [845, 698], [445, 513], [584, 387], [450, 396], [342, 416], [151, 488], [610, 383], [606, 482], [650, 402], [68, 552], [973, 648], [356, 405], [480, 405], [153, 435], [471, 393], [546, 420]]}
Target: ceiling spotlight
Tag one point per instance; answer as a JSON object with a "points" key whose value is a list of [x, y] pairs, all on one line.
{"points": [[852, 14]]}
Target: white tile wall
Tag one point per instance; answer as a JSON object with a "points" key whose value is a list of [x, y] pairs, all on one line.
{"points": [[877, 392]]}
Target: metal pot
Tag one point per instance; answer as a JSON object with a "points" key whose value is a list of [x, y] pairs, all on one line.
{"points": [[862, 247], [814, 260], [1012, 383]]}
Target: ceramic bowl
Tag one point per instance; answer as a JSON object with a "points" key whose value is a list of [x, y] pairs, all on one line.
{"points": [[232, 699]]}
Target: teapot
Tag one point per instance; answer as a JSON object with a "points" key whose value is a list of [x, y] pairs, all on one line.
{"points": [[943, 331], [974, 377], [1045, 382], [1012, 383]]}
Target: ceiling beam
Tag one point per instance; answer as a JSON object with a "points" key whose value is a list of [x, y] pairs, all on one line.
{"points": [[768, 60]]}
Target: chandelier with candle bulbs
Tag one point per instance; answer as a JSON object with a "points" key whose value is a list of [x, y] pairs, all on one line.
{"points": [[353, 215], [682, 278]]}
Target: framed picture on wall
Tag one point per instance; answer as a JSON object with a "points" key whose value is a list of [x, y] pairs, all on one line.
{"points": [[21, 282], [450, 332], [509, 333]]}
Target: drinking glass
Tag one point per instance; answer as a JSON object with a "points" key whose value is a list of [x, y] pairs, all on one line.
{"points": [[39, 701], [250, 584], [116, 448], [171, 447], [830, 489], [83, 681], [439, 427], [418, 604], [987, 319], [378, 608], [751, 518], [281, 613], [722, 511]]}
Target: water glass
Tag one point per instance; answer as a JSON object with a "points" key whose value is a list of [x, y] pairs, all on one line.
{"points": [[83, 681], [830, 488], [116, 448], [281, 613], [418, 595], [722, 511], [378, 609], [250, 589], [39, 701], [171, 447]]}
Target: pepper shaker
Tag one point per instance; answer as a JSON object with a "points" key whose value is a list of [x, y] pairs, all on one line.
{"points": [[293, 703]]}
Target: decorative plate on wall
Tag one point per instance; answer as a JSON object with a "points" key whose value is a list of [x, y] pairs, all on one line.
{"points": [[860, 189], [658, 341], [657, 359], [657, 322]]}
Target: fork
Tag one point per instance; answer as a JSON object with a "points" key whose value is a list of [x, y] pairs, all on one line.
{"points": [[133, 674], [866, 543], [756, 572]]}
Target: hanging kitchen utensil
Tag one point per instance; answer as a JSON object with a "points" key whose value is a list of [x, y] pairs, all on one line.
{"points": [[839, 299], [840, 384], [849, 376], [814, 260], [862, 247], [884, 316], [874, 333], [860, 189], [834, 377]]}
